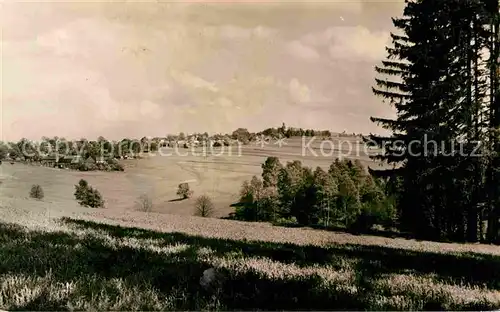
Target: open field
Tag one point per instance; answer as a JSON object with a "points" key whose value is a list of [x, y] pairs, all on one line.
{"points": [[55, 255], [218, 175], [98, 262]]}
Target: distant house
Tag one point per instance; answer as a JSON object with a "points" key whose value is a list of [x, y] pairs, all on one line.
{"points": [[70, 161], [90, 161], [101, 160], [191, 143], [220, 143], [49, 161], [29, 158]]}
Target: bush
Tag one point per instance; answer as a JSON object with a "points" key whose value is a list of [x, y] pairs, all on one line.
{"points": [[81, 188], [183, 191], [288, 222], [36, 192], [116, 167], [145, 203], [88, 196], [204, 207], [382, 213], [82, 167], [87, 167]]}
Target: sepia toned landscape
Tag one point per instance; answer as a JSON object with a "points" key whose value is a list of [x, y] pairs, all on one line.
{"points": [[219, 174], [250, 155]]}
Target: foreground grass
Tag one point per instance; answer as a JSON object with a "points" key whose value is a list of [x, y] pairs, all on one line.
{"points": [[84, 265]]}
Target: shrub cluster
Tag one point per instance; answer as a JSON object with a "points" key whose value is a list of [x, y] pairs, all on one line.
{"points": [[184, 191], [145, 203], [111, 165], [345, 195], [88, 196], [36, 192]]}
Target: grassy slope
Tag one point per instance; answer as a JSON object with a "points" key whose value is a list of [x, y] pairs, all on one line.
{"points": [[80, 264], [83, 264], [217, 176]]}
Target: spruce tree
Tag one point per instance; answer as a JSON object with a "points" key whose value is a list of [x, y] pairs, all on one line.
{"points": [[493, 173], [438, 91]]}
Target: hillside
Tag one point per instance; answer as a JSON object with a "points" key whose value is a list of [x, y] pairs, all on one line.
{"points": [[105, 260]]}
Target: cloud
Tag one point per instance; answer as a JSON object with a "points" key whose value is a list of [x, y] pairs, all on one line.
{"points": [[190, 80], [95, 68], [224, 102], [358, 42], [302, 51], [350, 42], [149, 109], [299, 93], [232, 32], [83, 38]]}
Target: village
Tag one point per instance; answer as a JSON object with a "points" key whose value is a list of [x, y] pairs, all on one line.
{"points": [[77, 162], [103, 155]]}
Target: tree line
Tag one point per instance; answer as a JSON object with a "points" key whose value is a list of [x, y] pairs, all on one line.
{"points": [[289, 132], [244, 136], [345, 195], [441, 76], [31, 150]]}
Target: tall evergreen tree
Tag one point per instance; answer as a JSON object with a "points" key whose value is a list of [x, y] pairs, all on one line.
{"points": [[493, 173], [438, 91]]}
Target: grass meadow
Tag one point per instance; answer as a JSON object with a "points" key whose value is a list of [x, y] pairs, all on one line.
{"points": [[55, 255], [219, 175], [99, 262]]}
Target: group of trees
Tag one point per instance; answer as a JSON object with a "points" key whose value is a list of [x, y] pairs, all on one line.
{"points": [[26, 149], [86, 195], [30, 150], [345, 195], [289, 132], [441, 75], [244, 136]]}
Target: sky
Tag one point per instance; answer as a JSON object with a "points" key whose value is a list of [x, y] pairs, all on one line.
{"points": [[151, 68]]}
